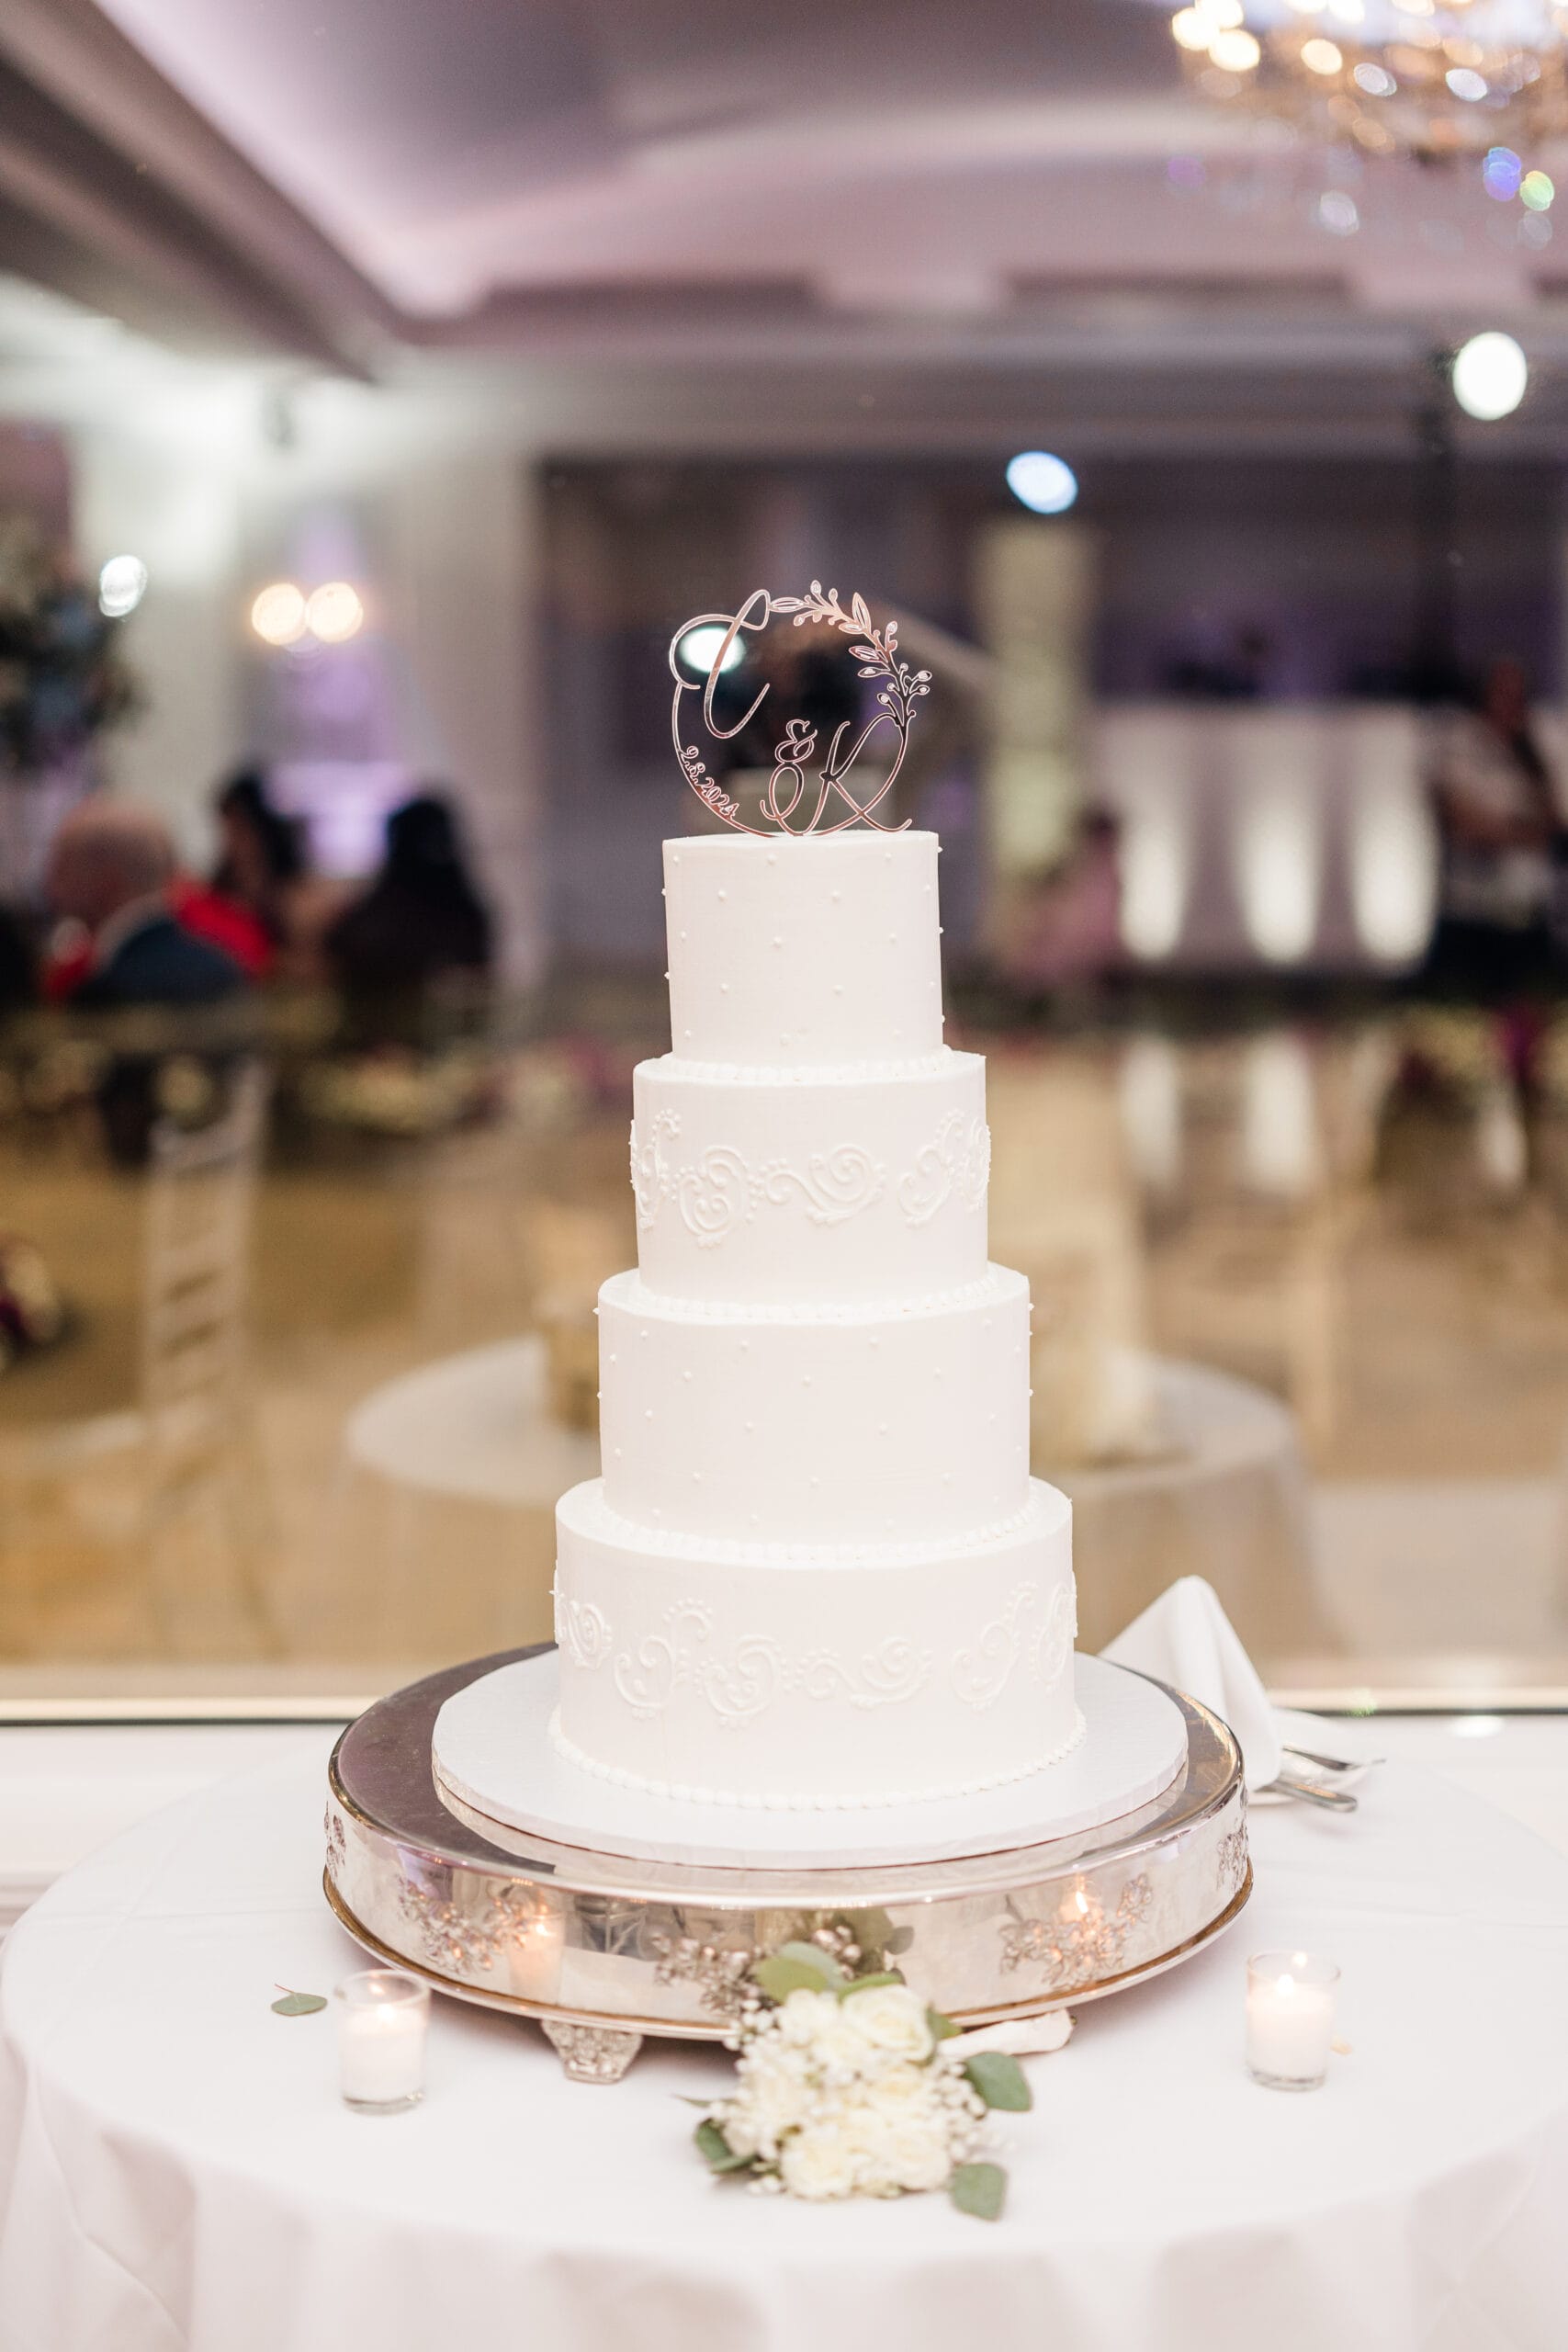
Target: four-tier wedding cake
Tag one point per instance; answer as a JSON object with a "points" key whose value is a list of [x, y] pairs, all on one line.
{"points": [[816, 1572]]}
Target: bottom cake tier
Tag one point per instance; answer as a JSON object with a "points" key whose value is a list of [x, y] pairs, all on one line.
{"points": [[877, 1675]]}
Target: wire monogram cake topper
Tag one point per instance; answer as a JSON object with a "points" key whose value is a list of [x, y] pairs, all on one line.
{"points": [[791, 778]]}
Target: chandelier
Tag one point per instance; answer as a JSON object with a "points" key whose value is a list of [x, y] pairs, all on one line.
{"points": [[1432, 79]]}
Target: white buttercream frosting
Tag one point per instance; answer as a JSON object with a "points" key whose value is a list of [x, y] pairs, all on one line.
{"points": [[815, 1574]]}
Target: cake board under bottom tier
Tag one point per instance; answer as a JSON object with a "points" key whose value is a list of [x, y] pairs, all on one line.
{"points": [[603, 1948], [497, 1766]]}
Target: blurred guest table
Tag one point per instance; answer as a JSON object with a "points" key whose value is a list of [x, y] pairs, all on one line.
{"points": [[177, 2170], [447, 1480], [1224, 1497], [474, 1428]]}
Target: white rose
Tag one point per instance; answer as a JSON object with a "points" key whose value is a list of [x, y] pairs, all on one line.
{"points": [[819, 2163], [868, 2135], [917, 2152], [900, 2088], [891, 2019]]}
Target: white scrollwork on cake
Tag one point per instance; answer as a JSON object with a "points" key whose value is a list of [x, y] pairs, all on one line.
{"points": [[647, 1673], [650, 1170], [959, 1160], [714, 1194], [880, 1677], [722, 1189], [980, 1675], [835, 1184], [742, 1689], [648, 1676], [1052, 1644], [583, 1633]]}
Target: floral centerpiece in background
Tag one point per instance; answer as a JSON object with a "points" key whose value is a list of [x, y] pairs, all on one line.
{"points": [[61, 678]]}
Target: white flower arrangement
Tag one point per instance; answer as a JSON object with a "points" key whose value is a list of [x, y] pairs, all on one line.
{"points": [[850, 2086]]}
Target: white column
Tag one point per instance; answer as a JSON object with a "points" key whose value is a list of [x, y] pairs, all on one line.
{"points": [[1034, 600], [463, 535]]}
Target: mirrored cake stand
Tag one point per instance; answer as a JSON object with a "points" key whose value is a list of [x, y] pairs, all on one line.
{"points": [[603, 1949]]}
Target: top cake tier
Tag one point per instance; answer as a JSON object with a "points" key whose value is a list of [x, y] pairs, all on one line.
{"points": [[803, 952]]}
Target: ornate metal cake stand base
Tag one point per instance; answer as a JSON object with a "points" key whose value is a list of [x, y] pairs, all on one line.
{"points": [[602, 1950]]}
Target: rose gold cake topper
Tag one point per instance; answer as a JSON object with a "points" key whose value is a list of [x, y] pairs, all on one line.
{"points": [[878, 654]]}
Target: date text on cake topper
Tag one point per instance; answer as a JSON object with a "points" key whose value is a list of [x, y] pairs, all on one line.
{"points": [[876, 651]]}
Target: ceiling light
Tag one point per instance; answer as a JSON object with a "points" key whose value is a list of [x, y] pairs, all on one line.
{"points": [[1489, 376], [122, 583], [335, 613], [1047, 485], [277, 614]]}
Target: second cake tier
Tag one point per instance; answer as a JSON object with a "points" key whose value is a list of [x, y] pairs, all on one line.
{"points": [[853, 1426]]}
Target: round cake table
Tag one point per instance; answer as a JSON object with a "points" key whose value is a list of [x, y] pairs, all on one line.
{"points": [[178, 2173]]}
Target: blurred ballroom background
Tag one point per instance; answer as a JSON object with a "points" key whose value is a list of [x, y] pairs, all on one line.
{"points": [[380, 389]]}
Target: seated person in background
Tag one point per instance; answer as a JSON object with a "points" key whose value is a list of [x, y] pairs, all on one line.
{"points": [[263, 871], [420, 921], [110, 873], [112, 870]]}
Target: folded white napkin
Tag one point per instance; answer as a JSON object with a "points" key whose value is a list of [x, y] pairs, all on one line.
{"points": [[1186, 1639]]}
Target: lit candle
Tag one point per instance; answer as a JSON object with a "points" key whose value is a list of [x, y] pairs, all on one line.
{"points": [[1290, 2019], [382, 2016]]}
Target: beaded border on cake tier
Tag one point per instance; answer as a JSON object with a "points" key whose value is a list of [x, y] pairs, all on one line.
{"points": [[939, 1063], [634, 1535], [679, 1793], [999, 1286]]}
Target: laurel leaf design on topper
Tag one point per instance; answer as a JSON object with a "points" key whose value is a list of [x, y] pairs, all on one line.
{"points": [[790, 783]]}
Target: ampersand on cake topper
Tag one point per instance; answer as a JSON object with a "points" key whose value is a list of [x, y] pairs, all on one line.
{"points": [[792, 780]]}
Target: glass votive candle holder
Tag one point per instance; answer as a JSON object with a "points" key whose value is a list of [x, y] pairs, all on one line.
{"points": [[1290, 2019], [382, 2020]]}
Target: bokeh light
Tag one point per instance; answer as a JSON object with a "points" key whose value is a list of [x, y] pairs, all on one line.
{"points": [[1320, 56], [1490, 375], [1500, 175], [1537, 191], [1236, 53], [334, 611], [1190, 31], [122, 583], [278, 614], [1047, 485], [698, 647], [1374, 81], [1466, 83], [1336, 212]]}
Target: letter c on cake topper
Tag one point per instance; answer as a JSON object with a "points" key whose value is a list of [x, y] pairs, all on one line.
{"points": [[900, 688]]}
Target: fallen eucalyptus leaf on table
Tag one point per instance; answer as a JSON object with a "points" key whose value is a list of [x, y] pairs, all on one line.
{"points": [[979, 2189], [298, 2005]]}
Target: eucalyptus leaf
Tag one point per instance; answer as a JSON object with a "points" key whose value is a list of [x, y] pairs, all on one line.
{"points": [[867, 1983], [942, 2028], [899, 1941], [979, 2189], [797, 1967], [1000, 2080], [298, 2005], [720, 2155]]}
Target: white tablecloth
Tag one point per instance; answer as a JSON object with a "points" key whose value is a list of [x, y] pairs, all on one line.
{"points": [[177, 2171]]}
